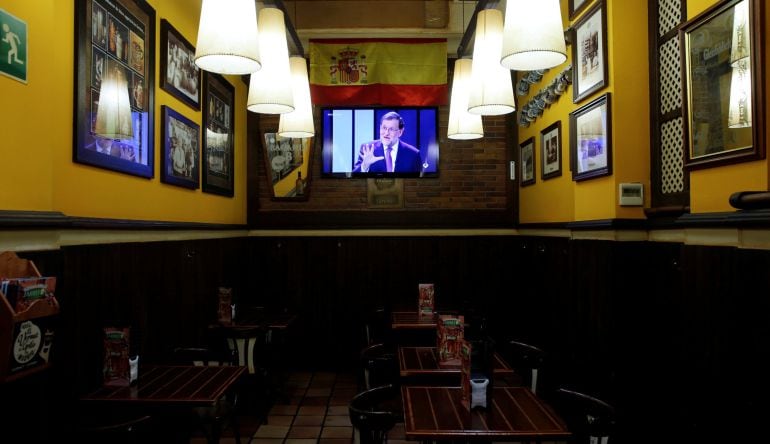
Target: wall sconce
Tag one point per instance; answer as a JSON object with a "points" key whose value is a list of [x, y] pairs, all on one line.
{"points": [[298, 123], [533, 36], [491, 91], [227, 37], [113, 116], [739, 112], [270, 89], [462, 124]]}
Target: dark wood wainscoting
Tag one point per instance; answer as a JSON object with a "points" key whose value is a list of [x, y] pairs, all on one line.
{"points": [[673, 335]]}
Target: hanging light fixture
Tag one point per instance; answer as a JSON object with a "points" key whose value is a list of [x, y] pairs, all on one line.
{"points": [[533, 37], [739, 112], [462, 124], [298, 123], [270, 88], [227, 37], [113, 115], [491, 91]]}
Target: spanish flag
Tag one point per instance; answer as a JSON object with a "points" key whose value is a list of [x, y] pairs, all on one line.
{"points": [[406, 72]]}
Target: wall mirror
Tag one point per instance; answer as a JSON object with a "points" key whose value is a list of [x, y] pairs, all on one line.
{"points": [[723, 81], [287, 166]]}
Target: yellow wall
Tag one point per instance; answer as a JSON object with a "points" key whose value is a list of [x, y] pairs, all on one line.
{"points": [[710, 189], [37, 125], [627, 84]]}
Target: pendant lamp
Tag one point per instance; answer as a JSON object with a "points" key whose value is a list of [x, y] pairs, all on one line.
{"points": [[462, 124], [491, 91], [113, 115], [270, 88], [227, 37], [298, 123], [533, 36]]}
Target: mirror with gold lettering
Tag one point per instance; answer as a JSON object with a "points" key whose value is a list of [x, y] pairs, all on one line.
{"points": [[287, 166], [723, 80]]}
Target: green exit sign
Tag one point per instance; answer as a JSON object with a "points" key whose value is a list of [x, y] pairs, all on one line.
{"points": [[13, 46]]}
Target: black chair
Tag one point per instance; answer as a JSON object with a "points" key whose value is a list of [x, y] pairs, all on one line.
{"points": [[211, 421], [372, 414], [590, 420], [105, 427], [378, 367], [377, 327], [526, 360]]}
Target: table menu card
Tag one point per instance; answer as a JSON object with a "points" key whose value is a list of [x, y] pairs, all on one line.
{"points": [[426, 303], [116, 354], [450, 334]]}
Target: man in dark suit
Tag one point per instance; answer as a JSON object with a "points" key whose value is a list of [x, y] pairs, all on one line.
{"points": [[389, 153]]}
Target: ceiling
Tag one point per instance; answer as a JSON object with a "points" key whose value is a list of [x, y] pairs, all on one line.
{"points": [[379, 19]]}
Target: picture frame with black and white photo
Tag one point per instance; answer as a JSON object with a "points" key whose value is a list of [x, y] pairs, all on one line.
{"points": [[527, 162], [589, 52], [550, 151]]}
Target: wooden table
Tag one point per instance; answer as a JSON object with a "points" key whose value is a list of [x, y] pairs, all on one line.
{"points": [[516, 414], [422, 361], [411, 320], [167, 385]]}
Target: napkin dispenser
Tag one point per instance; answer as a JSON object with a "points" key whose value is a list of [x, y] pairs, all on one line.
{"points": [[479, 392]]}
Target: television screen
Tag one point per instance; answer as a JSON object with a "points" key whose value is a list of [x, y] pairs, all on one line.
{"points": [[380, 142]]}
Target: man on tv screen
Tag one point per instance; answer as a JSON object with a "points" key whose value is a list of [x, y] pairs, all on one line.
{"points": [[389, 154]]}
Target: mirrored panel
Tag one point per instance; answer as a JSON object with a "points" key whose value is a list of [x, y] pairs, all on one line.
{"points": [[287, 166], [723, 79]]}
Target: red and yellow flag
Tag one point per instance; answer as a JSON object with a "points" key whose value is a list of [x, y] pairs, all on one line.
{"points": [[406, 72]]}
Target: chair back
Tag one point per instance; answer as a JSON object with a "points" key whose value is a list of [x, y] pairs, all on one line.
{"points": [[378, 366], [199, 356], [591, 420], [101, 428], [527, 360], [370, 416], [377, 327]]}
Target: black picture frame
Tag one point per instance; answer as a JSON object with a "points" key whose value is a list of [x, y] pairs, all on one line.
{"points": [[219, 138], [527, 162], [591, 139], [589, 52], [550, 151], [576, 7], [180, 162], [179, 75], [286, 158], [116, 38]]}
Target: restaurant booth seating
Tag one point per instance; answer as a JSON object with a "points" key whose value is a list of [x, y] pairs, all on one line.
{"points": [[372, 414]]}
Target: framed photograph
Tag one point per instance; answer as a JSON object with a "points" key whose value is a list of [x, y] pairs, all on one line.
{"points": [[219, 138], [722, 72], [287, 164], [589, 52], [527, 161], [550, 151], [576, 7], [114, 86], [180, 162], [179, 75], [591, 139]]}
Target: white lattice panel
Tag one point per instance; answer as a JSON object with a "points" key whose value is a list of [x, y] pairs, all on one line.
{"points": [[672, 157], [669, 15], [670, 74]]}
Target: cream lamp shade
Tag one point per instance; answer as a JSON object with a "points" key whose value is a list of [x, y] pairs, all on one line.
{"points": [[227, 37], [491, 91], [462, 124], [533, 36], [270, 88], [113, 114], [298, 123]]}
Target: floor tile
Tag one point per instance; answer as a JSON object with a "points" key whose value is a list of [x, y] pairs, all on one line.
{"points": [[313, 410], [337, 410], [315, 400], [337, 421], [335, 441], [266, 441], [301, 441], [271, 431], [337, 432], [280, 420], [304, 432], [319, 391], [284, 410], [309, 420]]}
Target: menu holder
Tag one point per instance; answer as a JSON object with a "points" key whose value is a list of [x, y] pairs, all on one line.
{"points": [[426, 302], [449, 335], [225, 307], [117, 368], [28, 310]]}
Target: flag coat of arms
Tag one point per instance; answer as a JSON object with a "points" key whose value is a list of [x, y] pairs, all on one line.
{"points": [[406, 72]]}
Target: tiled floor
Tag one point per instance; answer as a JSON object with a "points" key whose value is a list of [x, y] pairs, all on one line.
{"points": [[313, 409]]}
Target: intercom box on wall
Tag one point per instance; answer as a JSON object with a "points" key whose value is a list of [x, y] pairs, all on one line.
{"points": [[631, 194]]}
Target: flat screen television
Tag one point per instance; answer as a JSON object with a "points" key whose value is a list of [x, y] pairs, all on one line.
{"points": [[349, 131]]}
